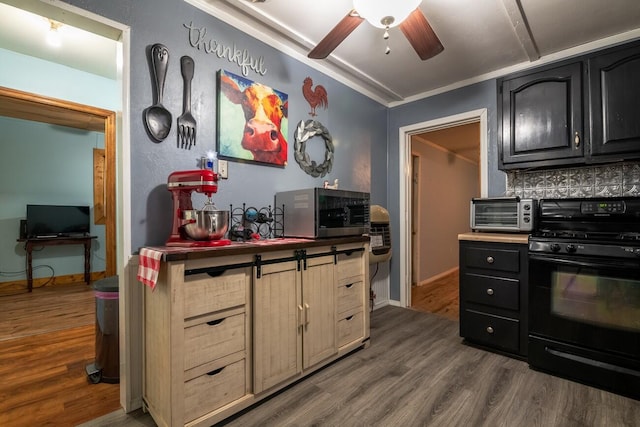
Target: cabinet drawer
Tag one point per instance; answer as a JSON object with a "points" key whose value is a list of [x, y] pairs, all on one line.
{"points": [[214, 389], [491, 291], [494, 331], [350, 267], [204, 294], [349, 296], [350, 328], [494, 259], [214, 339]]}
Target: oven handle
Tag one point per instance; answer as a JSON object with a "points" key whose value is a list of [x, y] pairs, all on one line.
{"points": [[584, 262]]}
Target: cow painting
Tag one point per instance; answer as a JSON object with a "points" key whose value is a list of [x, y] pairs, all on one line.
{"points": [[252, 121]]}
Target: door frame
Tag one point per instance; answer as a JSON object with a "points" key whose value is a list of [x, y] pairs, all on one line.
{"points": [[415, 213], [404, 179]]}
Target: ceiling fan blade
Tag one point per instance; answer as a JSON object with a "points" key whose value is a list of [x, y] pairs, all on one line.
{"points": [[336, 36], [421, 36]]}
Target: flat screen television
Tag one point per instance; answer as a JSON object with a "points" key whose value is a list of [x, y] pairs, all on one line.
{"points": [[57, 221]]}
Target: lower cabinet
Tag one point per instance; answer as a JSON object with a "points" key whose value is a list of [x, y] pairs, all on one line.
{"points": [[222, 333], [493, 295]]}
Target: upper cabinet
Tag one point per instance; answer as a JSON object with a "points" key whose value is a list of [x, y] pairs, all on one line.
{"points": [[614, 85], [576, 112]]}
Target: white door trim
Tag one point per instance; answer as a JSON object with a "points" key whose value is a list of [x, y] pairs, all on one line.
{"points": [[404, 179]]}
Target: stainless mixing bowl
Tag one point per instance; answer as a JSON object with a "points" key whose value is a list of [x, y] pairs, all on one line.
{"points": [[206, 224]]}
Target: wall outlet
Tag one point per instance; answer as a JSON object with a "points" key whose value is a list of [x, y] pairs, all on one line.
{"points": [[222, 169]]}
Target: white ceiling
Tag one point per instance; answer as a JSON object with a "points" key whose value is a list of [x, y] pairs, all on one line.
{"points": [[482, 39]]}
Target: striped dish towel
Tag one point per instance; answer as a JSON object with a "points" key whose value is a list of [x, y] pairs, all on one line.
{"points": [[149, 267]]}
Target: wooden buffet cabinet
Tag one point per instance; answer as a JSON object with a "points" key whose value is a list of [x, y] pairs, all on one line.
{"points": [[227, 327]]}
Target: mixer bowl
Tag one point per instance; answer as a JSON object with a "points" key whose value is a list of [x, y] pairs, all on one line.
{"points": [[206, 224]]}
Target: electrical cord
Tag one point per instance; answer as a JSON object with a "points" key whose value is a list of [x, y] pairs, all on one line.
{"points": [[372, 295], [17, 273]]}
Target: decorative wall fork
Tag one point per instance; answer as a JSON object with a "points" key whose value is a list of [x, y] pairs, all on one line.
{"points": [[186, 122]]}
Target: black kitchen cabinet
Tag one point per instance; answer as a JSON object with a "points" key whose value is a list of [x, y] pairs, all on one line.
{"points": [[580, 111], [614, 88], [494, 296], [542, 118]]}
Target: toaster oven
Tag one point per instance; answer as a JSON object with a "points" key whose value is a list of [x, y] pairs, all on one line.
{"points": [[503, 214]]}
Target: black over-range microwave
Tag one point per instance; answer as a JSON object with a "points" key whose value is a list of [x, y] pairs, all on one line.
{"points": [[321, 212]]}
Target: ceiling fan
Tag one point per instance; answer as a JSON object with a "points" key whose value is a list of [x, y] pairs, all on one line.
{"points": [[384, 14]]}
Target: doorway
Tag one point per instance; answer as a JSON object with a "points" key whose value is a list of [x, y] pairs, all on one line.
{"points": [[445, 176], [405, 180]]}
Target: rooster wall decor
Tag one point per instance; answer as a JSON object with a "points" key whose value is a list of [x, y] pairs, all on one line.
{"points": [[315, 97]]}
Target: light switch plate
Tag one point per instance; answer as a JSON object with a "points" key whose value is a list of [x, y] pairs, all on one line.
{"points": [[222, 169]]}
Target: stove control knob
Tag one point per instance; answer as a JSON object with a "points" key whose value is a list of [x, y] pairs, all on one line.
{"points": [[571, 248], [554, 247]]}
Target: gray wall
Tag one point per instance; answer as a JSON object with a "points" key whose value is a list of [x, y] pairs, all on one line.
{"points": [[357, 124], [469, 98]]}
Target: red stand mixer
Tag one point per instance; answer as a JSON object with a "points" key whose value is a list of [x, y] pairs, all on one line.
{"points": [[182, 184]]}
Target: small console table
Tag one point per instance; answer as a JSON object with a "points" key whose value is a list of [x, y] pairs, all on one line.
{"points": [[54, 241]]}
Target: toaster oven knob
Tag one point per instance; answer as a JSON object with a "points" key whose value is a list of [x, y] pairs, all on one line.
{"points": [[571, 248]]}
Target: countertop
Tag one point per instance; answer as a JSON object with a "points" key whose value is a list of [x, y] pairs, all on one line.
{"points": [[175, 253], [495, 237]]}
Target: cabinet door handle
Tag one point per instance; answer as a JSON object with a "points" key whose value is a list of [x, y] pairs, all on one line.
{"points": [[490, 259], [215, 322], [576, 140], [300, 324], [489, 291], [489, 329], [306, 314]]}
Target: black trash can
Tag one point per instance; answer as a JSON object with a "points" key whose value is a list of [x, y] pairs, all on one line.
{"points": [[106, 367]]}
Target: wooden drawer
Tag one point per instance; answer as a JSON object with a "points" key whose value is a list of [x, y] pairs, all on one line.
{"points": [[214, 389], [350, 328], [350, 268], [350, 296], [491, 291], [495, 331], [211, 340], [493, 259], [205, 294]]}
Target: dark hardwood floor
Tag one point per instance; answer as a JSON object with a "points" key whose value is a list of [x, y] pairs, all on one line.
{"points": [[47, 337], [417, 372], [440, 296]]}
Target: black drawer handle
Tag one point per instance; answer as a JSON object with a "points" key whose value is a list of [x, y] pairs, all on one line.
{"points": [[216, 371], [349, 285], [489, 291], [349, 318], [490, 260], [215, 322], [489, 329]]}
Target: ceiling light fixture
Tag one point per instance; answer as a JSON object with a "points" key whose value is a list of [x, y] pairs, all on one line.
{"points": [[385, 14], [53, 35]]}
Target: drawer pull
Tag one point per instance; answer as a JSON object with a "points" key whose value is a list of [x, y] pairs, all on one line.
{"points": [[489, 329], [489, 291], [490, 259], [349, 318], [349, 285], [216, 371], [215, 322]]}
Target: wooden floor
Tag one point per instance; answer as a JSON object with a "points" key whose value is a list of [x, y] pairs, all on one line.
{"points": [[417, 372], [440, 296], [47, 337]]}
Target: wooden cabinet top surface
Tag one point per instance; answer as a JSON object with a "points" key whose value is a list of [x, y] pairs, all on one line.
{"points": [[254, 247], [495, 237]]}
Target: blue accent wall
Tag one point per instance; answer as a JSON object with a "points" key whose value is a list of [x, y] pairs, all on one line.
{"points": [[49, 165], [357, 124]]}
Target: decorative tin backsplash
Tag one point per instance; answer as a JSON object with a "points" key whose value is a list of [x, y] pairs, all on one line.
{"points": [[615, 180]]}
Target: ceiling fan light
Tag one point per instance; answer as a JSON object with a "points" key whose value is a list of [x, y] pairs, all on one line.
{"points": [[376, 11]]}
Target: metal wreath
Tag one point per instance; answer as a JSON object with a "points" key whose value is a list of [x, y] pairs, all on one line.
{"points": [[305, 131]]}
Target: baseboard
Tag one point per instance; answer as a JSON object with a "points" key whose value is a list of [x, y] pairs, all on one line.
{"points": [[438, 276], [19, 285]]}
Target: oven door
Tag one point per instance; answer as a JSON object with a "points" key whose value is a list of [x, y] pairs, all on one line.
{"points": [[584, 320]]}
